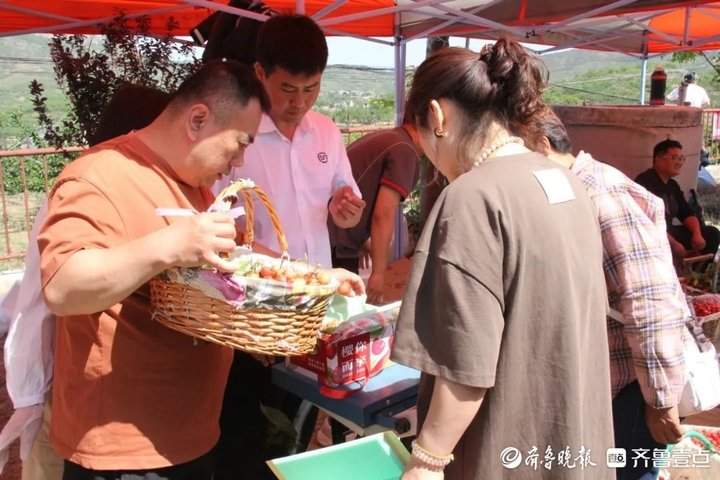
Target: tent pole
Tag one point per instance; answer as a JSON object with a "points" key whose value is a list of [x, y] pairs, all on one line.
{"points": [[399, 77], [219, 7], [376, 12], [400, 61], [329, 9], [448, 23], [300, 7], [643, 80]]}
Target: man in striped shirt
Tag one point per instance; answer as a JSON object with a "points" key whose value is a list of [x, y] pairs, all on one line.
{"points": [[646, 342]]}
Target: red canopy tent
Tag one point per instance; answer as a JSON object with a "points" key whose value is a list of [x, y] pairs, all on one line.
{"points": [[83, 16], [661, 30], [534, 21]]}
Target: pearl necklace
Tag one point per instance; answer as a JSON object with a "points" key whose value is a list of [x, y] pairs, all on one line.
{"points": [[490, 151]]}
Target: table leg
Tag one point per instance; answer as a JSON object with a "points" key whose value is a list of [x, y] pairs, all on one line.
{"points": [[339, 431]]}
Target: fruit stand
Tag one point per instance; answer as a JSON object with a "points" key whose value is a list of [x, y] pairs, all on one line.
{"points": [[700, 283], [336, 347], [364, 400], [384, 403]]}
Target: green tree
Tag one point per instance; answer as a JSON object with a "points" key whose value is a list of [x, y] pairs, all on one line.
{"points": [[33, 173], [90, 76]]}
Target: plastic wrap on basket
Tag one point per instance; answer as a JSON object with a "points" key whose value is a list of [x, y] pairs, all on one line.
{"points": [[256, 315]]}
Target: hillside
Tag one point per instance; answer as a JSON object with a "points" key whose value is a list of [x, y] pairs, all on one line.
{"points": [[23, 59], [351, 94], [570, 64]]}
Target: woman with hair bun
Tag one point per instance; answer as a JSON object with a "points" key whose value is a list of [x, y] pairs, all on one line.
{"points": [[505, 308]]}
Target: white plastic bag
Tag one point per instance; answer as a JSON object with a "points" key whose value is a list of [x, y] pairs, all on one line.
{"points": [[702, 388]]}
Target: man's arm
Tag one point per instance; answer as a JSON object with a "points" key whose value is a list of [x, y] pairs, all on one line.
{"points": [[684, 209], [688, 217], [677, 247], [346, 204], [381, 233], [693, 224], [646, 291], [93, 279]]}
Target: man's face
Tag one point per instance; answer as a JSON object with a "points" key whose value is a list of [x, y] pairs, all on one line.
{"points": [[291, 96], [670, 163], [221, 143]]}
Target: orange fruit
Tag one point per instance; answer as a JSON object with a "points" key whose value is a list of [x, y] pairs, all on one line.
{"points": [[345, 289], [323, 278]]}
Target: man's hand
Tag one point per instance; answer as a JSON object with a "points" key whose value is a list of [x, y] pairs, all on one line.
{"points": [[354, 280], [678, 249], [200, 239], [346, 207], [375, 288], [698, 242], [664, 424]]}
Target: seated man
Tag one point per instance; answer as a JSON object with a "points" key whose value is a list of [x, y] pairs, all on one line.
{"points": [[688, 234]]}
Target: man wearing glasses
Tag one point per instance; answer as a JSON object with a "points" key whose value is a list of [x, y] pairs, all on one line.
{"points": [[685, 231]]}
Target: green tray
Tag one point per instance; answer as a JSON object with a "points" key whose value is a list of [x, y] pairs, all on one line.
{"points": [[377, 457]]}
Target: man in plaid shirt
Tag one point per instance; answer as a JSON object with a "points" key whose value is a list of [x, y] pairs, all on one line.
{"points": [[646, 341]]}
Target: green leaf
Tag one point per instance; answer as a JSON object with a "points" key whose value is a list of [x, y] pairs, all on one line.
{"points": [[683, 57], [281, 431]]}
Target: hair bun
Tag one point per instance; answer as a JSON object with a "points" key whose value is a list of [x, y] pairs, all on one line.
{"points": [[519, 78], [499, 60]]}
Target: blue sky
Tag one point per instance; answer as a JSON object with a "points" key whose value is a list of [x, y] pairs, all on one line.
{"points": [[352, 51]]}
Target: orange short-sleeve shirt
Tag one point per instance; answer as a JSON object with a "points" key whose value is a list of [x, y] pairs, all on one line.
{"points": [[128, 393]]}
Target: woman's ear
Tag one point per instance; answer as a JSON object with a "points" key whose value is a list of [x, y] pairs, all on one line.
{"points": [[437, 116], [545, 146]]}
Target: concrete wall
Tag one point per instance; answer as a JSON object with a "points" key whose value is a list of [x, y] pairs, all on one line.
{"points": [[624, 136]]}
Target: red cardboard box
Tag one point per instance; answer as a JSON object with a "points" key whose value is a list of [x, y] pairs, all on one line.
{"points": [[358, 349]]}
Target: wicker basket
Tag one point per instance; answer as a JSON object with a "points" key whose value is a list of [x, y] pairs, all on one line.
{"points": [[272, 331]]}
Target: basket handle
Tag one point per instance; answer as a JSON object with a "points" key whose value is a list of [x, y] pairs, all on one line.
{"points": [[230, 195]]}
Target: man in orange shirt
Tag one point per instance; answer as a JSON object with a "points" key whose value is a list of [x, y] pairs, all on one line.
{"points": [[132, 398]]}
